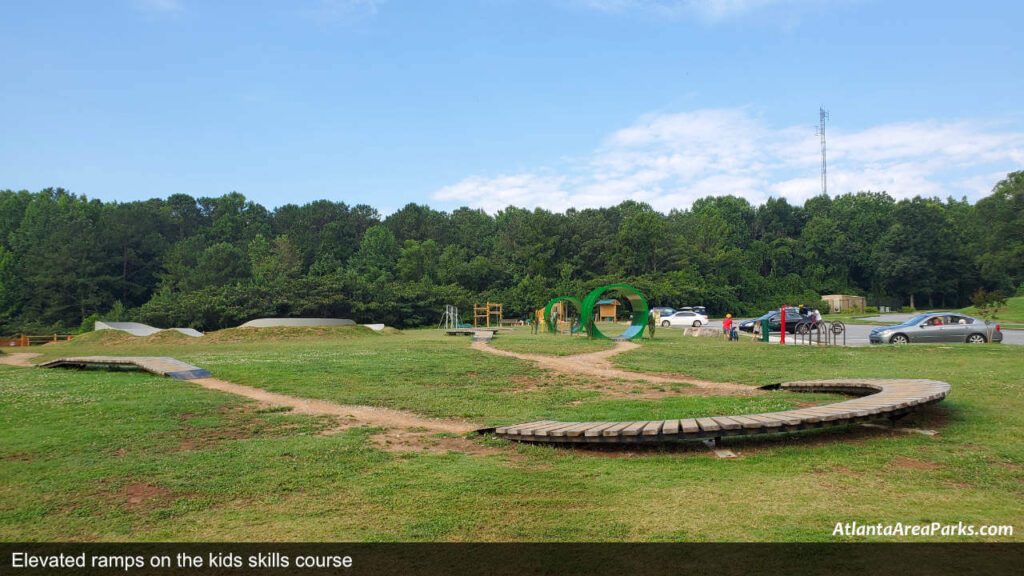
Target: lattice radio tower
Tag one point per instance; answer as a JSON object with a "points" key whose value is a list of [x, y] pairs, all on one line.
{"points": [[822, 118]]}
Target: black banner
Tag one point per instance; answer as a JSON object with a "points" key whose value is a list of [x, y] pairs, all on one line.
{"points": [[508, 559]]}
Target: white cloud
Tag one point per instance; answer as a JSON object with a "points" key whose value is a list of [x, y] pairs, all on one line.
{"points": [[670, 160]]}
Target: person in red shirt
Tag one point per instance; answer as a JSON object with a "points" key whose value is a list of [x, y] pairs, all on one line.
{"points": [[727, 327]]}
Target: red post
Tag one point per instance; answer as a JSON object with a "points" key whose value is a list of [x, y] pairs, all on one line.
{"points": [[783, 310]]}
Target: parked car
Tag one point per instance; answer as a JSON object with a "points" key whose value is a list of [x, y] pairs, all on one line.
{"points": [[685, 318], [663, 311], [938, 327], [793, 317], [698, 309]]}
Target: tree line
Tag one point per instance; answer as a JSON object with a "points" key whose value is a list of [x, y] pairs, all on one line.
{"points": [[212, 263]]}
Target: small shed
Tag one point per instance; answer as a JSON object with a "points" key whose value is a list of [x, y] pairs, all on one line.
{"points": [[845, 303], [608, 310]]}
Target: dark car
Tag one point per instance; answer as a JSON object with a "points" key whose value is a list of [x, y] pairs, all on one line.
{"points": [[938, 327], [793, 317]]}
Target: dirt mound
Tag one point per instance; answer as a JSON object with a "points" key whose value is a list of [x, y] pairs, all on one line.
{"points": [[291, 333], [167, 336], [119, 338], [103, 338]]}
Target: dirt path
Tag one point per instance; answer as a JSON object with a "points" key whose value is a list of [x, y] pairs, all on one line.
{"points": [[20, 359], [596, 364], [349, 415]]}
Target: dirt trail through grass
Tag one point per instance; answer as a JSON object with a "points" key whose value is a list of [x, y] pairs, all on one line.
{"points": [[20, 359], [353, 415], [596, 364]]}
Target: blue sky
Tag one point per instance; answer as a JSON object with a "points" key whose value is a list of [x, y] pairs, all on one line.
{"points": [[552, 103]]}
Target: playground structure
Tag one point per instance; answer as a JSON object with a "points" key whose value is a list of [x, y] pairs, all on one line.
{"points": [[483, 314], [880, 399], [297, 322], [638, 303], [156, 365], [450, 318], [592, 306], [138, 329], [556, 316]]}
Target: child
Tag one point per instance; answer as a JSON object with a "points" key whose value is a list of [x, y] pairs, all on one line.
{"points": [[727, 327]]}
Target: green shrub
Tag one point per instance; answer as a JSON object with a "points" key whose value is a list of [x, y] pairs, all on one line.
{"points": [[871, 309], [88, 324]]}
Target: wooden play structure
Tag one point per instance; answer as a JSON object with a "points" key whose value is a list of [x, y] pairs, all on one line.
{"points": [[159, 365], [482, 315], [608, 310], [879, 399]]}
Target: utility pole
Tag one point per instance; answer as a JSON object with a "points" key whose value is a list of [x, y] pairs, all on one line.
{"points": [[822, 117]]}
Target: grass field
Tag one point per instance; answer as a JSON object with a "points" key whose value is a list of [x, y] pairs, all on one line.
{"points": [[128, 456], [1012, 315]]}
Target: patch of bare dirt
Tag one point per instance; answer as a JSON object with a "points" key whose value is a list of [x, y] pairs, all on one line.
{"points": [[242, 421], [913, 464], [394, 440], [17, 457], [20, 359], [596, 365], [138, 495], [365, 415]]}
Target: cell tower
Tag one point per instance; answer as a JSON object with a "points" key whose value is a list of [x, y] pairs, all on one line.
{"points": [[822, 118]]}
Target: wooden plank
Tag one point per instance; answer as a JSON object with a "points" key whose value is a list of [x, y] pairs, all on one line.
{"points": [[597, 430], [708, 425], [727, 423], [769, 421], [653, 428], [615, 430], [537, 430], [547, 431], [518, 428], [805, 417], [579, 429], [747, 423], [689, 426], [634, 428], [671, 428]]}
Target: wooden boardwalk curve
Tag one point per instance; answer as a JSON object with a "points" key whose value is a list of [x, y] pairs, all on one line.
{"points": [[878, 399], [162, 366]]}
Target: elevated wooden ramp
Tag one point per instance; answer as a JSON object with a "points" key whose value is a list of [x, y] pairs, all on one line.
{"points": [[879, 399], [162, 366]]}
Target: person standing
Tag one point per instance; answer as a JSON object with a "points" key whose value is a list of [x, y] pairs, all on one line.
{"points": [[727, 327]]}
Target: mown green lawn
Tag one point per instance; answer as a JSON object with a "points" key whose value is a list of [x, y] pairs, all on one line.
{"points": [[1012, 315], [128, 456]]}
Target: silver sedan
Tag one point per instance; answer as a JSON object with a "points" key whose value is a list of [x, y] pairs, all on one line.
{"points": [[939, 327]]}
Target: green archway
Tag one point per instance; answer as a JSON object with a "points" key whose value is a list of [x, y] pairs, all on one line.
{"points": [[551, 304], [636, 301]]}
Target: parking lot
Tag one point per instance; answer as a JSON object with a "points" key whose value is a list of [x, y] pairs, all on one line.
{"points": [[857, 334]]}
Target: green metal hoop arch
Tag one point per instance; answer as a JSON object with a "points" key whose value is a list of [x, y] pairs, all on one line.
{"points": [[551, 304], [636, 301]]}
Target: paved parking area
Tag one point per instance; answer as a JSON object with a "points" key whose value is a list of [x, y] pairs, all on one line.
{"points": [[857, 334]]}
